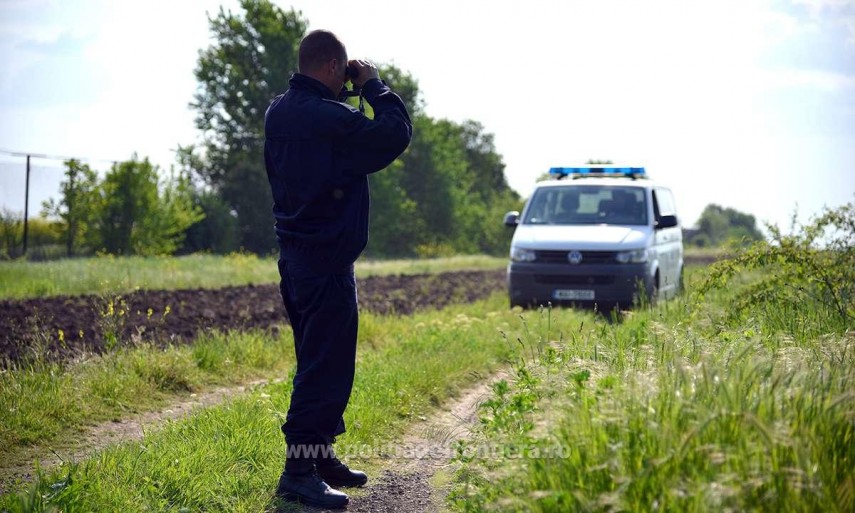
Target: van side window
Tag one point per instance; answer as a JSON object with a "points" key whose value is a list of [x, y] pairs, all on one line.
{"points": [[663, 203]]}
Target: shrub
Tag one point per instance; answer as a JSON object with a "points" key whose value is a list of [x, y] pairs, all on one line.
{"points": [[808, 272]]}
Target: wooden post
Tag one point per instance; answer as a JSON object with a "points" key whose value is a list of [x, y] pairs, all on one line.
{"points": [[26, 204]]}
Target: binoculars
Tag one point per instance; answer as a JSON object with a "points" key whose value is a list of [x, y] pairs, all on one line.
{"points": [[350, 72]]}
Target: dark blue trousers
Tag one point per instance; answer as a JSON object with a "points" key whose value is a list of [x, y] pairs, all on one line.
{"points": [[323, 312]]}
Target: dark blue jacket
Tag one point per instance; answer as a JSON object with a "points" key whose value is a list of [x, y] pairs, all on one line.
{"points": [[318, 153]]}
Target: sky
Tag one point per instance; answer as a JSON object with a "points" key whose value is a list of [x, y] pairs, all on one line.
{"points": [[748, 104]]}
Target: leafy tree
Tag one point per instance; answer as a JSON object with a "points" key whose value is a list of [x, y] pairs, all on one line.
{"points": [[137, 214], [485, 193], [718, 225], [217, 232], [431, 164], [484, 162], [443, 192], [394, 220], [452, 186], [252, 57], [405, 86], [78, 204]]}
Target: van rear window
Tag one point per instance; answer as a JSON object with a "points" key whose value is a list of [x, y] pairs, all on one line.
{"points": [[587, 205]]}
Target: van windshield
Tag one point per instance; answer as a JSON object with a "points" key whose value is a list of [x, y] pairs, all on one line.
{"points": [[576, 204]]}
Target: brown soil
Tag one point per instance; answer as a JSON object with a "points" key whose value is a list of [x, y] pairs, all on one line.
{"points": [[31, 328]]}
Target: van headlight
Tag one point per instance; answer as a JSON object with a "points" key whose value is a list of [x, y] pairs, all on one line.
{"points": [[637, 256], [522, 255]]}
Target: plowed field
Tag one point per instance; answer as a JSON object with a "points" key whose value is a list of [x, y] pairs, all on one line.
{"points": [[65, 326]]}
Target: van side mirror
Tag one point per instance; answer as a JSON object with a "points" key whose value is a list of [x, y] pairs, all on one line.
{"points": [[512, 219], [666, 222]]}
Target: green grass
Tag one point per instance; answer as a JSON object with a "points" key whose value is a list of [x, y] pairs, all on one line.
{"points": [[680, 408], [227, 458], [47, 404], [720, 402], [102, 275]]}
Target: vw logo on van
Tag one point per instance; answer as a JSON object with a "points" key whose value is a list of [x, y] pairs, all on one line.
{"points": [[574, 257]]}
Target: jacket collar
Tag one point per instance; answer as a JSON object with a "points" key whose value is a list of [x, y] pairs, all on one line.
{"points": [[306, 83]]}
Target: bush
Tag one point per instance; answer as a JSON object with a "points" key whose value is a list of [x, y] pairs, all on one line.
{"points": [[808, 272], [44, 237]]}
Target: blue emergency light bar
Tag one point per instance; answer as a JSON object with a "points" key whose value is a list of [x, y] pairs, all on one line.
{"points": [[633, 172]]}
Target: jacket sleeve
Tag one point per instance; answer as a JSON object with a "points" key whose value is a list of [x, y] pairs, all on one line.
{"points": [[374, 143]]}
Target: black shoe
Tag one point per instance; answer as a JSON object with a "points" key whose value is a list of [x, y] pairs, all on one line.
{"points": [[336, 473], [311, 490]]}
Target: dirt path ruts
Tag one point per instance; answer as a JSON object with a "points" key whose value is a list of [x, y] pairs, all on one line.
{"points": [[406, 486]]}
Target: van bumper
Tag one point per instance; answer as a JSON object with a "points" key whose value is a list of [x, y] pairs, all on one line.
{"points": [[610, 284]]}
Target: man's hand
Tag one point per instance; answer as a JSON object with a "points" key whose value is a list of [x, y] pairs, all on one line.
{"points": [[365, 71]]}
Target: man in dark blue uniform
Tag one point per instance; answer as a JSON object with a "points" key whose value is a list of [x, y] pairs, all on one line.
{"points": [[318, 153]]}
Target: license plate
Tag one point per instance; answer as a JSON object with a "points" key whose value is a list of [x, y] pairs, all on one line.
{"points": [[582, 295]]}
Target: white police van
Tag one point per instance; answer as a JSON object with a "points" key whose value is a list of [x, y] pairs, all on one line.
{"points": [[595, 235]]}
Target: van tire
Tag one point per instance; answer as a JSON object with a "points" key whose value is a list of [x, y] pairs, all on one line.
{"points": [[653, 297]]}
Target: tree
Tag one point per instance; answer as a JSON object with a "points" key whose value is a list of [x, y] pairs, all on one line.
{"points": [[395, 224], [484, 194], [405, 86], [217, 232], [249, 63], [718, 225], [447, 196], [431, 164], [78, 203], [443, 192], [139, 214]]}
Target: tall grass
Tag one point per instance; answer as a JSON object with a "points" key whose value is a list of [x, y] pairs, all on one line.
{"points": [[110, 275], [740, 422], [738, 399]]}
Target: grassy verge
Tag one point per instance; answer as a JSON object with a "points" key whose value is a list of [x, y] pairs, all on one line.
{"points": [[737, 400], [48, 404], [652, 415], [227, 458], [103, 275]]}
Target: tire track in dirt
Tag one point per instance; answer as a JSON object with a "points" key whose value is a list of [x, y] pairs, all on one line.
{"points": [[407, 484]]}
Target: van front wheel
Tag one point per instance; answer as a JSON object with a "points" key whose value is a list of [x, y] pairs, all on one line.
{"points": [[654, 290]]}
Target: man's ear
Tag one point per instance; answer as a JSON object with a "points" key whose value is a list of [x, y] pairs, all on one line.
{"points": [[331, 67]]}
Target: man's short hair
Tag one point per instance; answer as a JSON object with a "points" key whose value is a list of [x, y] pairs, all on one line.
{"points": [[319, 47]]}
